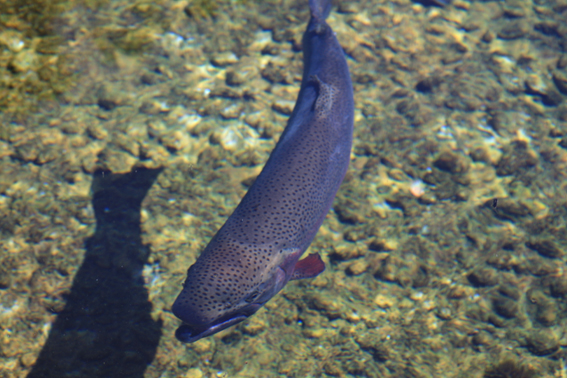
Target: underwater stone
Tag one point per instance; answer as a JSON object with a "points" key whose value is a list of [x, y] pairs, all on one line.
{"points": [[542, 343], [483, 277], [224, 59], [244, 72], [5, 279], [451, 162], [488, 36], [328, 306], [509, 208], [558, 286], [509, 291], [545, 248], [358, 267], [560, 80], [482, 338], [232, 111], [23, 61], [348, 7], [546, 313], [505, 307], [194, 373], [255, 326], [271, 49], [97, 131], [176, 140], [513, 30], [283, 106], [515, 157]]}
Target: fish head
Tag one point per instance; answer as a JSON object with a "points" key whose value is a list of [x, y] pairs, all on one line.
{"points": [[221, 293]]}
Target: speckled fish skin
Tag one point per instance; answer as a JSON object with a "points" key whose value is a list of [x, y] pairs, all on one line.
{"points": [[257, 251]]}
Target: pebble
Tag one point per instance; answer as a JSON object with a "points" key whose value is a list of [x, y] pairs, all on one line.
{"points": [[283, 106], [176, 140], [28, 359], [194, 373], [358, 267], [546, 248], [542, 342], [384, 301], [224, 59], [452, 162], [23, 61], [232, 111], [513, 30], [560, 80], [483, 277]]}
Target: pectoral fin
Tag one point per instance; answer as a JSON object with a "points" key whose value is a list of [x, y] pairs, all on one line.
{"points": [[309, 267], [325, 97]]}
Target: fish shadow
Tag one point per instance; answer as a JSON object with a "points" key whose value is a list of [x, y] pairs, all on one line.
{"points": [[105, 329]]}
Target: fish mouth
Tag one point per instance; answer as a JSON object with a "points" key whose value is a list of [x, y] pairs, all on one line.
{"points": [[189, 334]]}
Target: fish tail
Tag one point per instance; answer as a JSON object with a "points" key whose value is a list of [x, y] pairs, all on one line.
{"points": [[320, 9]]}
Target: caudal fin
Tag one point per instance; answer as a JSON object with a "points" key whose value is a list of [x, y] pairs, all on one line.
{"points": [[320, 9]]}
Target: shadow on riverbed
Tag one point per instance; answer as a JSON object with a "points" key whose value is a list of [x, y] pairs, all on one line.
{"points": [[106, 329]]}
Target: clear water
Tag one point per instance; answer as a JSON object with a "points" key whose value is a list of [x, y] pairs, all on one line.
{"points": [[130, 130]]}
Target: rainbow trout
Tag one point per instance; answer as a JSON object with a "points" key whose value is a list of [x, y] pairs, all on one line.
{"points": [[257, 251]]}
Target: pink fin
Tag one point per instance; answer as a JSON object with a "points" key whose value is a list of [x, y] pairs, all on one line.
{"points": [[309, 267]]}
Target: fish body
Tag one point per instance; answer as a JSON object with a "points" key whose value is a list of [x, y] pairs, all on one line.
{"points": [[257, 250]]}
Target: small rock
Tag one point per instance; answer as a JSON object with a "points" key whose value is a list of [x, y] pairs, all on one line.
{"points": [[428, 84], [514, 11], [488, 36], [276, 74], [550, 28], [452, 162], [513, 30], [345, 252], [444, 313], [505, 307], [271, 49], [384, 301], [224, 59], [117, 161], [515, 156], [545, 248], [23, 61], [348, 7], [5, 278], [255, 326], [509, 208], [536, 85], [358, 267], [482, 338], [176, 140], [232, 111], [97, 131], [330, 307], [560, 80], [542, 343], [28, 359], [483, 277], [283, 106], [558, 286], [241, 73], [194, 373], [108, 97]]}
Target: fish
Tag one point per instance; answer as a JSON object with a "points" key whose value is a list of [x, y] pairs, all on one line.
{"points": [[258, 249]]}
